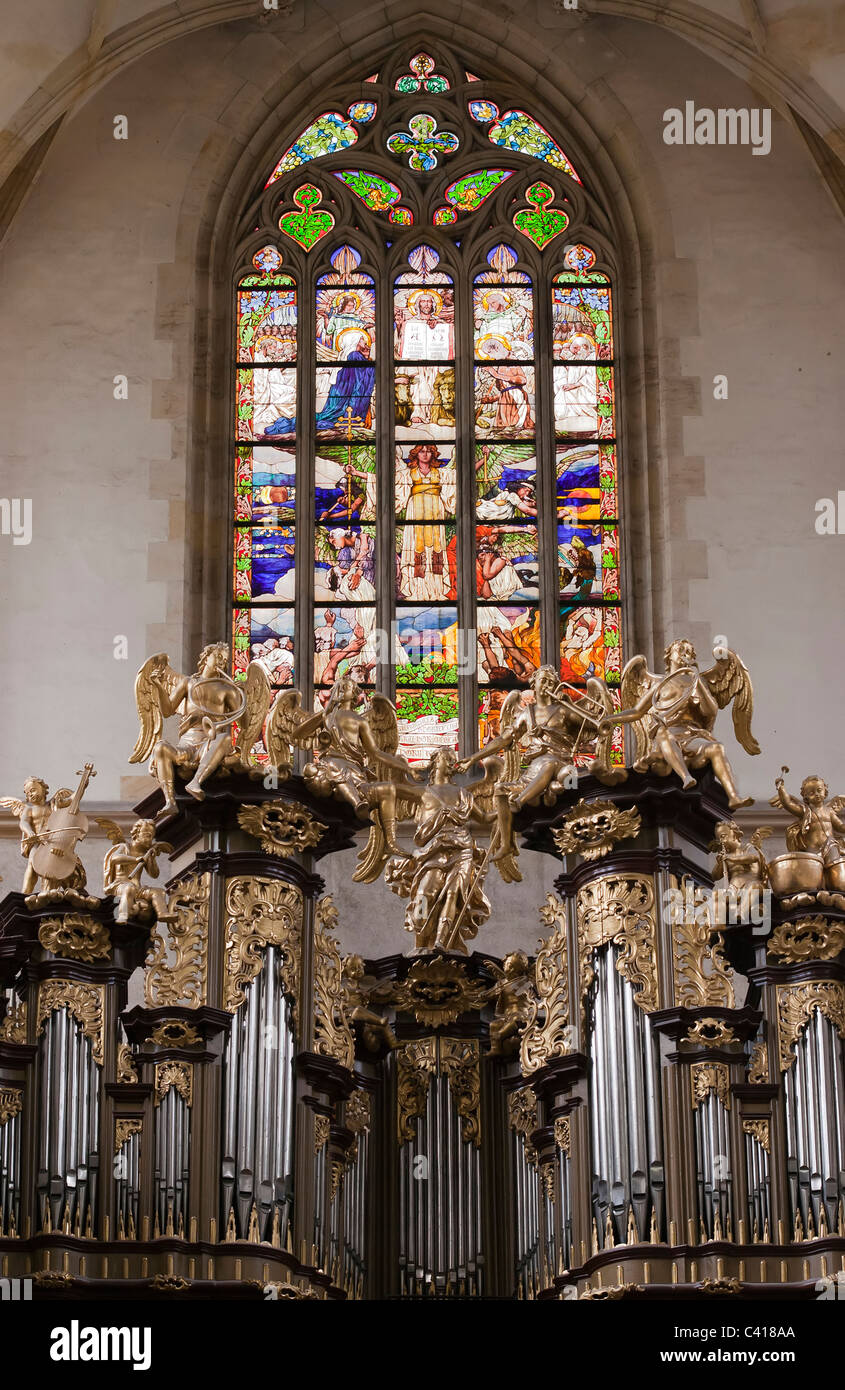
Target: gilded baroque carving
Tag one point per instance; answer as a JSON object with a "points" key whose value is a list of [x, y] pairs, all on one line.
{"points": [[438, 991], [758, 1065], [592, 828], [563, 1134], [620, 908], [333, 1035], [416, 1062], [13, 1027], [810, 938], [357, 1115], [126, 1072], [547, 1177], [177, 966], [522, 1111], [727, 1285], [174, 1075], [282, 827], [795, 1005], [702, 976], [711, 1032], [76, 936], [260, 912], [275, 1290], [460, 1060], [710, 1076], [169, 1283], [610, 1294], [335, 1177], [173, 1032], [11, 1103], [123, 1131], [548, 1032], [759, 1130], [322, 1126], [84, 1001]]}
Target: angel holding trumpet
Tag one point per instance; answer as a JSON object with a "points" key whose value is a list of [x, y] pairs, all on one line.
{"points": [[673, 715]]}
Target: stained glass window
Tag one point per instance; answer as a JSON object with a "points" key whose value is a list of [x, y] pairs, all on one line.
{"points": [[426, 458]]}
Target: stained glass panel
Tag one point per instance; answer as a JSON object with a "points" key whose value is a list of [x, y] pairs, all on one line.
{"points": [[376, 193], [506, 482], [426, 645], [327, 134], [516, 130], [504, 323], [506, 564], [345, 483], [504, 401], [428, 720], [426, 562], [345, 643], [424, 324], [467, 193], [425, 482], [266, 402], [265, 485], [265, 635], [345, 563], [266, 324], [509, 643], [424, 402], [589, 644], [583, 400], [581, 322]]}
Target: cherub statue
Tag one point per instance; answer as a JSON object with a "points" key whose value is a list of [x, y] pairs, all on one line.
{"points": [[375, 1026], [742, 862], [547, 733], [673, 715], [124, 864], [819, 827], [513, 983], [33, 814], [443, 877], [211, 703]]}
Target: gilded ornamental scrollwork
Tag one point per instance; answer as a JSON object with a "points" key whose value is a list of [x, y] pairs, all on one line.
{"points": [[13, 1027], [711, 1032], [416, 1062], [759, 1130], [11, 1103], [322, 1126], [563, 1134], [260, 912], [174, 1032], [758, 1065], [282, 828], [710, 1076], [126, 1072], [177, 966], [85, 1002], [124, 1130], [76, 936], [796, 1003], [702, 976], [592, 828], [177, 1076], [548, 1032], [333, 1035], [620, 908], [522, 1117], [810, 938], [459, 1059]]}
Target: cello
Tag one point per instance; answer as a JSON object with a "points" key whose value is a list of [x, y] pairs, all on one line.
{"points": [[54, 857]]}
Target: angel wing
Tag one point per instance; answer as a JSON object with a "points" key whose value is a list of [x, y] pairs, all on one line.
{"points": [[836, 804], [483, 793], [381, 717], [760, 834], [10, 803], [511, 706], [258, 696], [286, 717], [149, 704], [111, 829], [636, 680], [729, 681]]}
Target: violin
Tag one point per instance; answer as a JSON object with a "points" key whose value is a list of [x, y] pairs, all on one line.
{"points": [[54, 857]]}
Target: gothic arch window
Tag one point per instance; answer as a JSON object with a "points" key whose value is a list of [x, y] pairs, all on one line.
{"points": [[425, 423]]}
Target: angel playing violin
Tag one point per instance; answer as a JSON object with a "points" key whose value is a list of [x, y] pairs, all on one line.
{"points": [[211, 703], [673, 715], [123, 865]]}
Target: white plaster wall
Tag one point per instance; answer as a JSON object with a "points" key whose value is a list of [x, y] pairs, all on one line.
{"points": [[97, 277]]}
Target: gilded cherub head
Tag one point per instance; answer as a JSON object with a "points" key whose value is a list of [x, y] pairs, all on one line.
{"points": [[814, 790]]}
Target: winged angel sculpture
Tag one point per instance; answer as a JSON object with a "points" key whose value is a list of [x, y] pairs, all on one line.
{"points": [[442, 875], [211, 702], [673, 715]]}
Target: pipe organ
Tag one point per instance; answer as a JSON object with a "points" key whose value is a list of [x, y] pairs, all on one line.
{"points": [[654, 1102]]}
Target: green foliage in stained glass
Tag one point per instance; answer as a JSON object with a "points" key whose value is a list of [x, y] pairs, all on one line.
{"points": [[539, 222], [469, 192], [309, 224], [378, 193]]}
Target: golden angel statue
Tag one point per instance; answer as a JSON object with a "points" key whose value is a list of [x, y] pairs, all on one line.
{"points": [[819, 826], [514, 979], [211, 702], [123, 866], [376, 1028], [32, 814], [742, 862], [355, 746], [547, 733], [50, 832], [673, 715]]}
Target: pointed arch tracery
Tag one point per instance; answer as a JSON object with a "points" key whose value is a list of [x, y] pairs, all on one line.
{"points": [[425, 429]]}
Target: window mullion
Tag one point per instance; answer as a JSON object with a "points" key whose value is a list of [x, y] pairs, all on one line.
{"points": [[465, 510], [546, 475]]}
